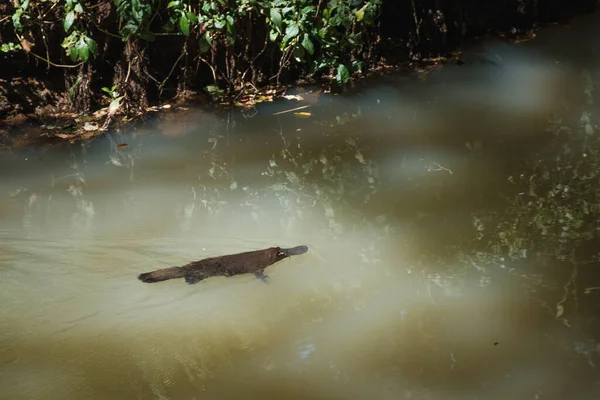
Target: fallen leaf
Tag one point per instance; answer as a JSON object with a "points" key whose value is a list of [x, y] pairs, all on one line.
{"points": [[359, 157], [90, 126], [63, 135], [122, 146], [293, 97], [27, 45], [302, 114]]}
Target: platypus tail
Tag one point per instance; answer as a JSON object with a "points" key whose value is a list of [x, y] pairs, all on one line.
{"points": [[162, 275]]}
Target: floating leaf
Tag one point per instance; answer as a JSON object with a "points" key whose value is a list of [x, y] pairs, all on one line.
{"points": [[359, 157], [302, 114]]}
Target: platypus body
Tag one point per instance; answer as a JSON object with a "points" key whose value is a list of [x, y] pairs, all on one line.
{"points": [[250, 262]]}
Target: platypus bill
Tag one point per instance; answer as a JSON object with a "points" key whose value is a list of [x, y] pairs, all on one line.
{"points": [[250, 262]]}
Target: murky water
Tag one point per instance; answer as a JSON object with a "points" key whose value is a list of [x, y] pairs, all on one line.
{"points": [[377, 183]]}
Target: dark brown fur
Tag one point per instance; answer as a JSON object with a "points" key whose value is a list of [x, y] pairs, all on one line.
{"points": [[251, 262]]}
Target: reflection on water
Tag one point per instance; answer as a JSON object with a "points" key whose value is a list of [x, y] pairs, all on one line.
{"points": [[377, 184]]}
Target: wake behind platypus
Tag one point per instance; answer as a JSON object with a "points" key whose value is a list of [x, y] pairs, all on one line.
{"points": [[250, 262]]}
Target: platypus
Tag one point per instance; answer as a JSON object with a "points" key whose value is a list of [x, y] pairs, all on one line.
{"points": [[250, 262]]}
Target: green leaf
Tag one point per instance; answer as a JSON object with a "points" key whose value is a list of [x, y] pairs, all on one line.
{"points": [[114, 105], [230, 24], [360, 14], [78, 9], [73, 53], [69, 19], [192, 17], [184, 25], [308, 44], [173, 4], [212, 89], [343, 75], [276, 17], [92, 46], [273, 35], [83, 50], [291, 31], [204, 43], [220, 23], [357, 65], [16, 20]]}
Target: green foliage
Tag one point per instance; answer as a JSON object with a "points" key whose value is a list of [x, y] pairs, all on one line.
{"points": [[9, 47], [72, 89], [324, 37], [135, 17], [72, 9], [115, 99], [183, 16], [20, 13], [265, 37], [79, 46]]}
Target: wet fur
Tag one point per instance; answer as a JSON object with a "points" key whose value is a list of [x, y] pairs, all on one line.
{"points": [[250, 262]]}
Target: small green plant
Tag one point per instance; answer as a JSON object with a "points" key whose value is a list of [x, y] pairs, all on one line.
{"points": [[73, 87], [182, 15], [328, 40], [72, 9], [135, 18], [115, 99], [79, 46], [10, 47], [20, 12]]}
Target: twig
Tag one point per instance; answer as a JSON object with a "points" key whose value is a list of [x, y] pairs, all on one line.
{"points": [[47, 60], [211, 68], [291, 110], [162, 84], [54, 64], [440, 168]]}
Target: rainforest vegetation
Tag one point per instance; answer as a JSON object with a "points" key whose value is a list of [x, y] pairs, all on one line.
{"points": [[124, 56]]}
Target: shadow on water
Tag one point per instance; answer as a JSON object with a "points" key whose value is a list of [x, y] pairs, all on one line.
{"points": [[381, 184]]}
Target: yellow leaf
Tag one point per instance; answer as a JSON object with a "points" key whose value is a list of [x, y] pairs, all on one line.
{"points": [[302, 114], [360, 14]]}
